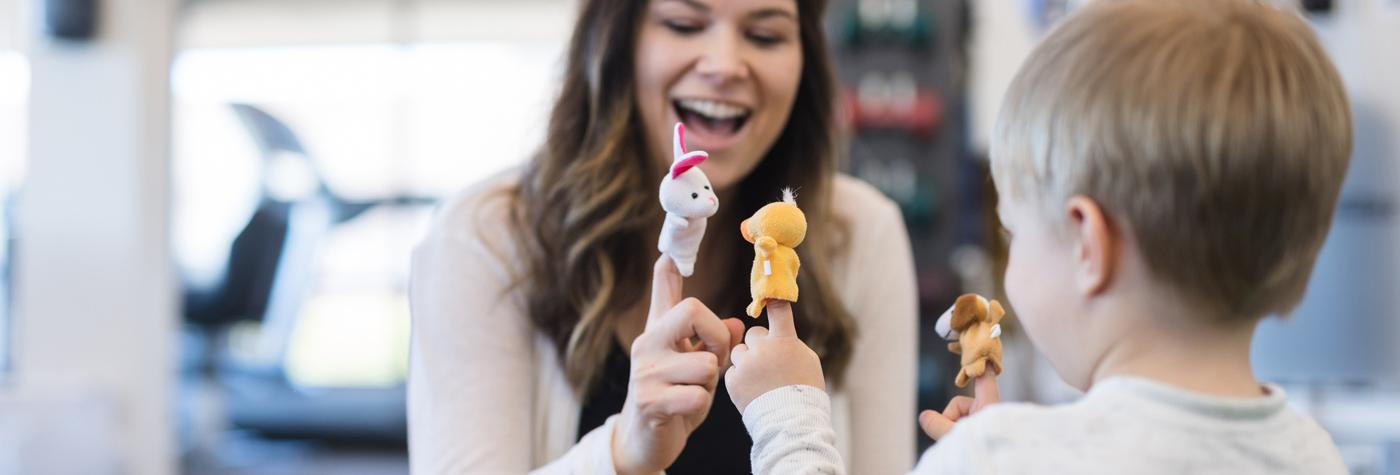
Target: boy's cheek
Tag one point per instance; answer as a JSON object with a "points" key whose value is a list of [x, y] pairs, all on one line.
{"points": [[1011, 280], [1024, 294]]}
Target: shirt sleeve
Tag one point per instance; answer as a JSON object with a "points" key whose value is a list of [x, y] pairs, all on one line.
{"points": [[880, 382], [471, 363], [792, 434], [791, 431], [951, 455], [592, 454]]}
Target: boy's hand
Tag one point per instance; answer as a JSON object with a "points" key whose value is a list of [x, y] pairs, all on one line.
{"points": [[770, 359], [984, 391]]}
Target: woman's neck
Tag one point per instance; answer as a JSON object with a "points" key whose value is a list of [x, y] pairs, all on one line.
{"points": [[712, 268]]}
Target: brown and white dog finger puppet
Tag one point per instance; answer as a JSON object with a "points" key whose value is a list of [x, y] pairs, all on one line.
{"points": [[975, 323]]}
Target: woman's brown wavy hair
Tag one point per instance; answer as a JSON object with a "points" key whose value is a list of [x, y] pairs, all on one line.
{"points": [[588, 199]]}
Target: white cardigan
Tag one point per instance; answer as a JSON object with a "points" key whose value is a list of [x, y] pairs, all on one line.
{"points": [[486, 393]]}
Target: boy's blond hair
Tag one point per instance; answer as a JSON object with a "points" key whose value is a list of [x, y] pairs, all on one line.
{"points": [[1216, 131]]}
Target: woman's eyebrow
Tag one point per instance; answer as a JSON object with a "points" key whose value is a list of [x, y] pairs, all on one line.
{"points": [[756, 15], [772, 12], [696, 4]]}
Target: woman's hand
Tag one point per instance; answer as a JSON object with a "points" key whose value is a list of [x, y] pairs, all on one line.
{"points": [[772, 358], [985, 393], [675, 367]]}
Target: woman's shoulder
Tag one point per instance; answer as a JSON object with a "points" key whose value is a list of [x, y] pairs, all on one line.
{"points": [[478, 218], [871, 226], [863, 207], [484, 202]]}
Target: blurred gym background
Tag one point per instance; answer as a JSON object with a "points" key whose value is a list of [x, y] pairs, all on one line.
{"points": [[206, 210]]}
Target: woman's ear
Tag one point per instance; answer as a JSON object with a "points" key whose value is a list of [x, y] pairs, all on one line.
{"points": [[1096, 245]]}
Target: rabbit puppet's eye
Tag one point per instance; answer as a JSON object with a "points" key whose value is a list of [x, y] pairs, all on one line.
{"points": [[694, 195], [707, 187]]}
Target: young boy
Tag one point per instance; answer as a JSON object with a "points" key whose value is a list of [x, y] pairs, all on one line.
{"points": [[1168, 171]]}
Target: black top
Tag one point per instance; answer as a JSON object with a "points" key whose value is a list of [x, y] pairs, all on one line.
{"points": [[719, 446]]}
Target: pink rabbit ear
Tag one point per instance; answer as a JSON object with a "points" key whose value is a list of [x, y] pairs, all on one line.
{"points": [[678, 141], [686, 162]]}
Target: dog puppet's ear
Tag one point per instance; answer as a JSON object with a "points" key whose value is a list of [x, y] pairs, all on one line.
{"points": [[994, 311], [966, 311]]}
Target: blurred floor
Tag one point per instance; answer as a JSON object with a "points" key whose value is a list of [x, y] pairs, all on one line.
{"points": [[243, 453]]}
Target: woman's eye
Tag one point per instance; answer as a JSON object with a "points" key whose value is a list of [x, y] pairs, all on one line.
{"points": [[765, 39], [694, 195], [684, 27]]}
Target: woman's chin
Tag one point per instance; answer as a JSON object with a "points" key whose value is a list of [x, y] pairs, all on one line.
{"points": [[722, 181], [726, 171]]}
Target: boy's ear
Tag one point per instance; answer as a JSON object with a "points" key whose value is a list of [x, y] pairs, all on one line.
{"points": [[1096, 245]]}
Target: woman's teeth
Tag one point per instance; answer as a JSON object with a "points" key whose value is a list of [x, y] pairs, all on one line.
{"points": [[712, 109], [711, 116]]}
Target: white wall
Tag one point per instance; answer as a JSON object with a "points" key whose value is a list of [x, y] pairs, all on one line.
{"points": [[1003, 35], [249, 23], [94, 301], [9, 24]]}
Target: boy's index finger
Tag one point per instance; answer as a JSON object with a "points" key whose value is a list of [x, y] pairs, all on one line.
{"points": [[780, 319], [984, 389], [666, 288]]}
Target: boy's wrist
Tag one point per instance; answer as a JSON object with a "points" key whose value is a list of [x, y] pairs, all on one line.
{"points": [[792, 398], [791, 431]]}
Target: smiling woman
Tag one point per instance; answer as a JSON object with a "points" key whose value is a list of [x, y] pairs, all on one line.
{"points": [[532, 286], [735, 88]]}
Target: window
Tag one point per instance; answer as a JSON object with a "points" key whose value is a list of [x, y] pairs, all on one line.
{"points": [[303, 176], [14, 95], [377, 123]]}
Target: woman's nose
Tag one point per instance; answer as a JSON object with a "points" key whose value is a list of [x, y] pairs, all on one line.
{"points": [[722, 61]]}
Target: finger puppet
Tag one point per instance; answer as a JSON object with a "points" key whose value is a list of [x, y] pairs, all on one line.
{"points": [[975, 323], [774, 230], [689, 200]]}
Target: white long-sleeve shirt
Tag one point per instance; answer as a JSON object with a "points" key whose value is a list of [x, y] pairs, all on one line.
{"points": [[1123, 425], [486, 393]]}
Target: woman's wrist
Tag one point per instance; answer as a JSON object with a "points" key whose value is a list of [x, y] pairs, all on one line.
{"points": [[613, 450], [619, 463]]}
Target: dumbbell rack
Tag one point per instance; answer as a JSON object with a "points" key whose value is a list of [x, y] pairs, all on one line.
{"points": [[902, 64]]}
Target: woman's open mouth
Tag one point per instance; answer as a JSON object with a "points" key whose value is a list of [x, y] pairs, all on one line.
{"points": [[714, 124]]}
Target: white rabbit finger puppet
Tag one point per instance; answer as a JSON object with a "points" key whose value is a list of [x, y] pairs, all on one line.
{"points": [[689, 200]]}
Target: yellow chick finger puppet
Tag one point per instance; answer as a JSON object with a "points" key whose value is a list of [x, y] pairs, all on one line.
{"points": [[774, 230], [975, 322]]}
